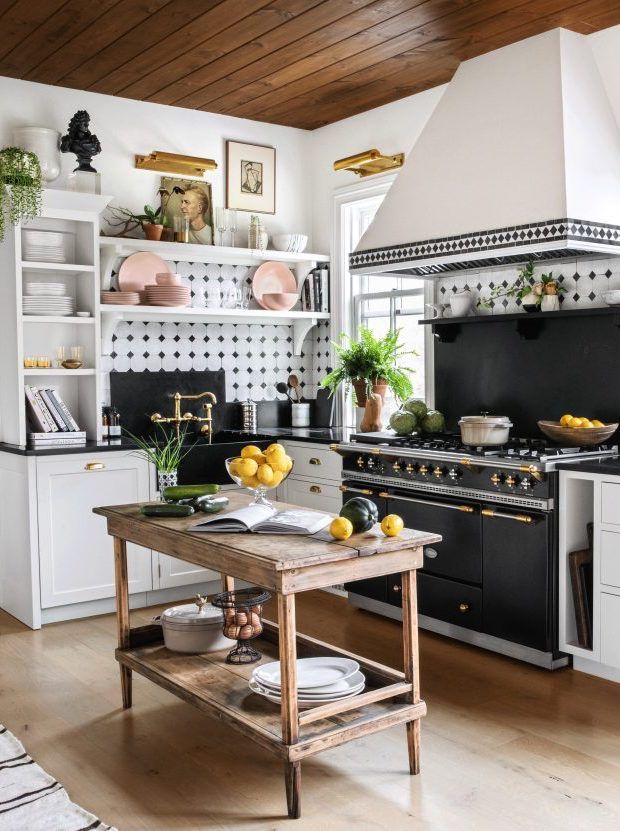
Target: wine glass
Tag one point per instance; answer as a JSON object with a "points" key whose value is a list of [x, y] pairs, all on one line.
{"points": [[232, 226], [221, 223]]}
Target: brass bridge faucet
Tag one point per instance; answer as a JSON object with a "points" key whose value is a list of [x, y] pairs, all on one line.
{"points": [[177, 419]]}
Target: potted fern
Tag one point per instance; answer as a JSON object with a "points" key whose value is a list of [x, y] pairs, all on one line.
{"points": [[21, 187], [370, 365]]}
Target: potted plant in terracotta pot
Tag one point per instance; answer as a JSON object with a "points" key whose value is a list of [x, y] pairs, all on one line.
{"points": [[152, 221], [371, 365]]}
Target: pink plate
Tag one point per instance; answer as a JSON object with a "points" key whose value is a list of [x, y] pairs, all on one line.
{"points": [[272, 278], [139, 270]]}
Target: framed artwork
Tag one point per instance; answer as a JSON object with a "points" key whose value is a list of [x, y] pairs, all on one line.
{"points": [[188, 199], [250, 177]]}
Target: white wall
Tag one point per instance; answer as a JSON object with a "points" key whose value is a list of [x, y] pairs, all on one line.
{"points": [[126, 127]]}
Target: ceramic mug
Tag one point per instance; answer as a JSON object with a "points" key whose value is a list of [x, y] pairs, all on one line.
{"points": [[460, 303]]}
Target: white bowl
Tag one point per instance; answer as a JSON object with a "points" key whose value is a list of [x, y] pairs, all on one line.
{"points": [[291, 243], [612, 298]]}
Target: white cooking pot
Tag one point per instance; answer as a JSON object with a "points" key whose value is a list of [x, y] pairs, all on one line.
{"points": [[484, 430], [194, 627], [461, 303]]}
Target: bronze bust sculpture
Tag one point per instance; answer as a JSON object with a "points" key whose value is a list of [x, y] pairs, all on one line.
{"points": [[81, 141]]}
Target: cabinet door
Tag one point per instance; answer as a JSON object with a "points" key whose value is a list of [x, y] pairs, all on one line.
{"points": [[317, 496], [610, 626], [75, 551]]}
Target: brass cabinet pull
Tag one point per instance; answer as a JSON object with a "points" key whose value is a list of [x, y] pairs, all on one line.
{"points": [[314, 461], [94, 466], [464, 607], [396, 588], [315, 489], [517, 517]]}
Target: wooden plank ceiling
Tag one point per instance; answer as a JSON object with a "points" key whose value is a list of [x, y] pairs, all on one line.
{"points": [[304, 63]]}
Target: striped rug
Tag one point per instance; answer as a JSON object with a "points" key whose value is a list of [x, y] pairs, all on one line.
{"points": [[31, 799]]}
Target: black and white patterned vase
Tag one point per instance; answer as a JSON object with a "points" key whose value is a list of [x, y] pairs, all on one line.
{"points": [[166, 479]]}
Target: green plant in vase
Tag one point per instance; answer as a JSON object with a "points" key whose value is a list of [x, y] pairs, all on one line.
{"points": [[526, 289], [21, 187], [166, 450]]}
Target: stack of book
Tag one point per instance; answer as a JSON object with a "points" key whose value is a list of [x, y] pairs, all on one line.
{"points": [[315, 291], [51, 420]]}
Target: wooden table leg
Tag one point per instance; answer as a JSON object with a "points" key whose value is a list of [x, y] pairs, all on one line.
{"points": [[228, 583], [122, 612], [288, 708], [412, 663]]}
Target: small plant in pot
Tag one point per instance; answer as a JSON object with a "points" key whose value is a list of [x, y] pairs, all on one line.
{"points": [[528, 290], [21, 186], [166, 450], [370, 366], [152, 221]]}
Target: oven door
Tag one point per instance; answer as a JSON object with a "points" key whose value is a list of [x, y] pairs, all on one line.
{"points": [[518, 568], [375, 588], [459, 554]]}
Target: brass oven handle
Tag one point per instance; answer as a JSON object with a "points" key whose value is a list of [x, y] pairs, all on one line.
{"points": [[517, 517], [314, 461], [315, 489], [94, 466], [348, 489], [466, 509]]}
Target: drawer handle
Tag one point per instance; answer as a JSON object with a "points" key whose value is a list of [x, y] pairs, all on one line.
{"points": [[464, 607], [315, 489], [94, 466], [396, 588], [314, 461], [431, 553]]}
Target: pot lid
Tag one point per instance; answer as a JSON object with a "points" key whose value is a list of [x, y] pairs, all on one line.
{"points": [[485, 418], [191, 614]]}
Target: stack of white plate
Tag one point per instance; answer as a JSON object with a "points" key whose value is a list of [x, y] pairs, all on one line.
{"points": [[52, 305], [319, 680], [44, 246], [45, 289]]}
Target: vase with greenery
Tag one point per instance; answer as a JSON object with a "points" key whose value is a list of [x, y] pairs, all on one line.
{"points": [[21, 188], [370, 365], [166, 450], [525, 288]]}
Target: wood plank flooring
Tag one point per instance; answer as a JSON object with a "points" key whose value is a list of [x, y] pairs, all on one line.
{"points": [[505, 746]]}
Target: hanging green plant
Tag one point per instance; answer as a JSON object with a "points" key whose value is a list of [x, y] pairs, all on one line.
{"points": [[21, 200]]}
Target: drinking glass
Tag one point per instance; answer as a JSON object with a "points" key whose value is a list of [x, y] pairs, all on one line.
{"points": [[181, 229], [221, 223], [244, 295], [232, 226], [75, 353], [60, 356]]}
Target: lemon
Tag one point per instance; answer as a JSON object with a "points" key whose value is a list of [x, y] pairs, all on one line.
{"points": [[273, 449], [597, 423], [574, 422], [289, 464], [279, 462], [250, 482], [265, 475], [260, 459], [278, 476], [392, 525], [341, 528], [565, 420], [234, 465], [247, 467], [250, 450], [585, 422]]}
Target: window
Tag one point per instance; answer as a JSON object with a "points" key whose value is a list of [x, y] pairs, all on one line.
{"points": [[381, 302]]}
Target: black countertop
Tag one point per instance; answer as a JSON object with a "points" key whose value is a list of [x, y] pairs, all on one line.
{"points": [[608, 466], [320, 435]]}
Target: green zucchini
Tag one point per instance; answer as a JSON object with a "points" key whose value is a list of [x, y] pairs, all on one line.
{"points": [[211, 504], [166, 509], [176, 492]]}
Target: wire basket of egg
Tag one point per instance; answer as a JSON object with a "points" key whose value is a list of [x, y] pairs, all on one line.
{"points": [[242, 610]]}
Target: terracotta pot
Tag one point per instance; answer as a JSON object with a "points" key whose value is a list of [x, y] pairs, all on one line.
{"points": [[151, 231], [359, 385]]}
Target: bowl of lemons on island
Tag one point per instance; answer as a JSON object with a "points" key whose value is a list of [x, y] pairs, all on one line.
{"points": [[578, 431], [260, 470]]}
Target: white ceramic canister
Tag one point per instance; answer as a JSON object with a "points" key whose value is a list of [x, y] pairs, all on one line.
{"points": [[300, 415], [44, 143], [194, 627]]}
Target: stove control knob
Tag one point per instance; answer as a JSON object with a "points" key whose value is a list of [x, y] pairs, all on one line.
{"points": [[438, 472], [454, 473], [423, 470], [511, 481], [526, 484], [498, 478], [396, 466], [360, 461], [410, 468], [370, 464]]}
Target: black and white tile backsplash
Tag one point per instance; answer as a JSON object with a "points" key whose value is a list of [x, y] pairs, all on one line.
{"points": [[255, 356], [585, 282]]}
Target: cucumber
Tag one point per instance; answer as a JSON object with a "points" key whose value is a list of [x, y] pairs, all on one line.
{"points": [[166, 509], [176, 492], [210, 504]]}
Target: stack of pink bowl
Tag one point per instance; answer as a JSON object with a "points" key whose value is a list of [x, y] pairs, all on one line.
{"points": [[169, 291]]}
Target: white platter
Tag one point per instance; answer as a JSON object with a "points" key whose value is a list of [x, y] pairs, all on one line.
{"points": [[303, 703], [311, 672]]}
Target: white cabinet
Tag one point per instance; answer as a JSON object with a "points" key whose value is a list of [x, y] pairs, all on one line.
{"points": [[75, 551], [315, 479], [610, 629], [318, 496]]}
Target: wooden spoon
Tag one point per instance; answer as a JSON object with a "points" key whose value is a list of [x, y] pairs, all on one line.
{"points": [[293, 382]]}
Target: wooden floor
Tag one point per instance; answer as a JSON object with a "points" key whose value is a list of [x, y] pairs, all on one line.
{"points": [[505, 746]]}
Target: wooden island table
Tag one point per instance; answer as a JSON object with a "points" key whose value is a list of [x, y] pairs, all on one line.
{"points": [[284, 565]]}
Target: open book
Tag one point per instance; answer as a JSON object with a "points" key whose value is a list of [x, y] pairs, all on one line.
{"points": [[262, 519]]}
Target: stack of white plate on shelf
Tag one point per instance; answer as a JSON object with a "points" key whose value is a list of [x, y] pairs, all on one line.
{"points": [[45, 289], [319, 680], [44, 246], [49, 305]]}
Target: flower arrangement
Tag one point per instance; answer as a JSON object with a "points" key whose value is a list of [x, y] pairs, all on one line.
{"points": [[525, 288]]}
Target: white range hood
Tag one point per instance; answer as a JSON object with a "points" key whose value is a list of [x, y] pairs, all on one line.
{"points": [[519, 160]]}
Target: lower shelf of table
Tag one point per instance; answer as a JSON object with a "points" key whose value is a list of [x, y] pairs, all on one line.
{"points": [[221, 690]]}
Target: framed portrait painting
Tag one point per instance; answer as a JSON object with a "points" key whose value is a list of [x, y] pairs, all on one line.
{"points": [[250, 177], [188, 199]]}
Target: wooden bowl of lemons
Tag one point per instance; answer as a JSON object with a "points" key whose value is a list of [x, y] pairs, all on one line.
{"points": [[577, 431], [260, 470]]}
